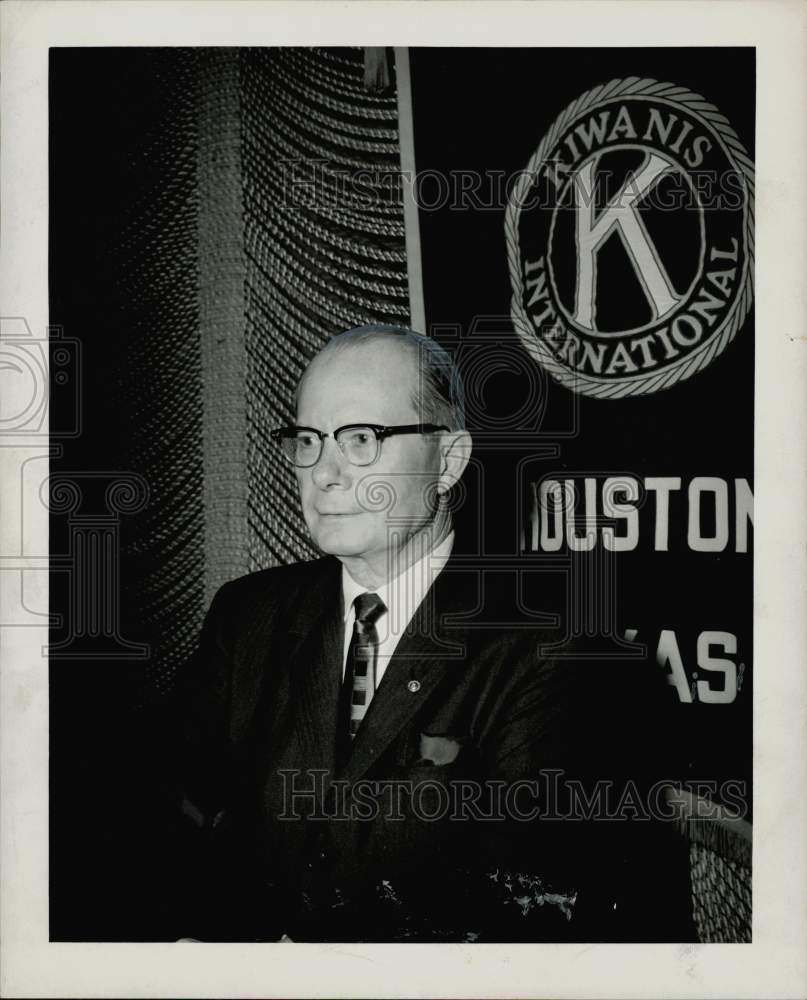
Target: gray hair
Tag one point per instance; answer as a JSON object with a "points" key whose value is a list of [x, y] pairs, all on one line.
{"points": [[439, 395]]}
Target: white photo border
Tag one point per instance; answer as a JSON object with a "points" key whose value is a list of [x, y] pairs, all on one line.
{"points": [[775, 964]]}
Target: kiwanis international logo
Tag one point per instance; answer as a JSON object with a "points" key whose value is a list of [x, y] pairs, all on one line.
{"points": [[630, 240]]}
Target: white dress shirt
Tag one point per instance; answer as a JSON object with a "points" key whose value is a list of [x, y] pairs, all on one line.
{"points": [[402, 596]]}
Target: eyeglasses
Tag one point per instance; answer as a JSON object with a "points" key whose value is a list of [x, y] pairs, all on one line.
{"points": [[359, 443]]}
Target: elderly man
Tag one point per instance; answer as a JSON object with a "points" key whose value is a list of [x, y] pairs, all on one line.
{"points": [[368, 731]]}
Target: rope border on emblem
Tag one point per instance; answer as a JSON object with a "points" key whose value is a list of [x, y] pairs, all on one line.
{"points": [[634, 385]]}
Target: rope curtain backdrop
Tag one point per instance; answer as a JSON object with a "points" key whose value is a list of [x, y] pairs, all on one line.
{"points": [[320, 255], [246, 242], [148, 293]]}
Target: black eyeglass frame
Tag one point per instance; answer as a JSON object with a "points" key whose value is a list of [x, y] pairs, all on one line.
{"points": [[381, 431]]}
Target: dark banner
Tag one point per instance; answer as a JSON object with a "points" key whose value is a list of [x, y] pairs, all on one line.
{"points": [[586, 228]]}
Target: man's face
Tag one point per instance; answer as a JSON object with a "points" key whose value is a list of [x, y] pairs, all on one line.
{"points": [[369, 511]]}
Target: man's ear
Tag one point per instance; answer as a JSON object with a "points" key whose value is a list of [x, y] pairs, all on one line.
{"points": [[455, 451]]}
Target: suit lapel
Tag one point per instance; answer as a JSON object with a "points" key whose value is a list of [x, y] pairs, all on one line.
{"points": [[298, 655], [312, 646], [316, 670], [428, 653]]}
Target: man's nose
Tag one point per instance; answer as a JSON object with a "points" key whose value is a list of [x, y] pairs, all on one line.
{"points": [[332, 468]]}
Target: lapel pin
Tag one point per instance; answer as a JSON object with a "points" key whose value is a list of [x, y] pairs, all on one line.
{"points": [[414, 686]]}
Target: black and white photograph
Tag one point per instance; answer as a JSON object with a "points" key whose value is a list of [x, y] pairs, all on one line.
{"points": [[393, 431]]}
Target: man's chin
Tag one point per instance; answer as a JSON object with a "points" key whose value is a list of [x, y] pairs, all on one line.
{"points": [[337, 537]]}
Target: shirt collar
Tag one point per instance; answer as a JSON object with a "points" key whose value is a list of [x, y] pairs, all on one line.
{"points": [[410, 586]]}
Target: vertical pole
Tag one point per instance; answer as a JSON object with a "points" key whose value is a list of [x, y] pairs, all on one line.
{"points": [[222, 319], [406, 136]]}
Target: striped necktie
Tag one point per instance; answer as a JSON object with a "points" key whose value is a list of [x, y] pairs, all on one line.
{"points": [[361, 657]]}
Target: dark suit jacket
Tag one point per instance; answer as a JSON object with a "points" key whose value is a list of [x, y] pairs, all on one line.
{"points": [[389, 840]]}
